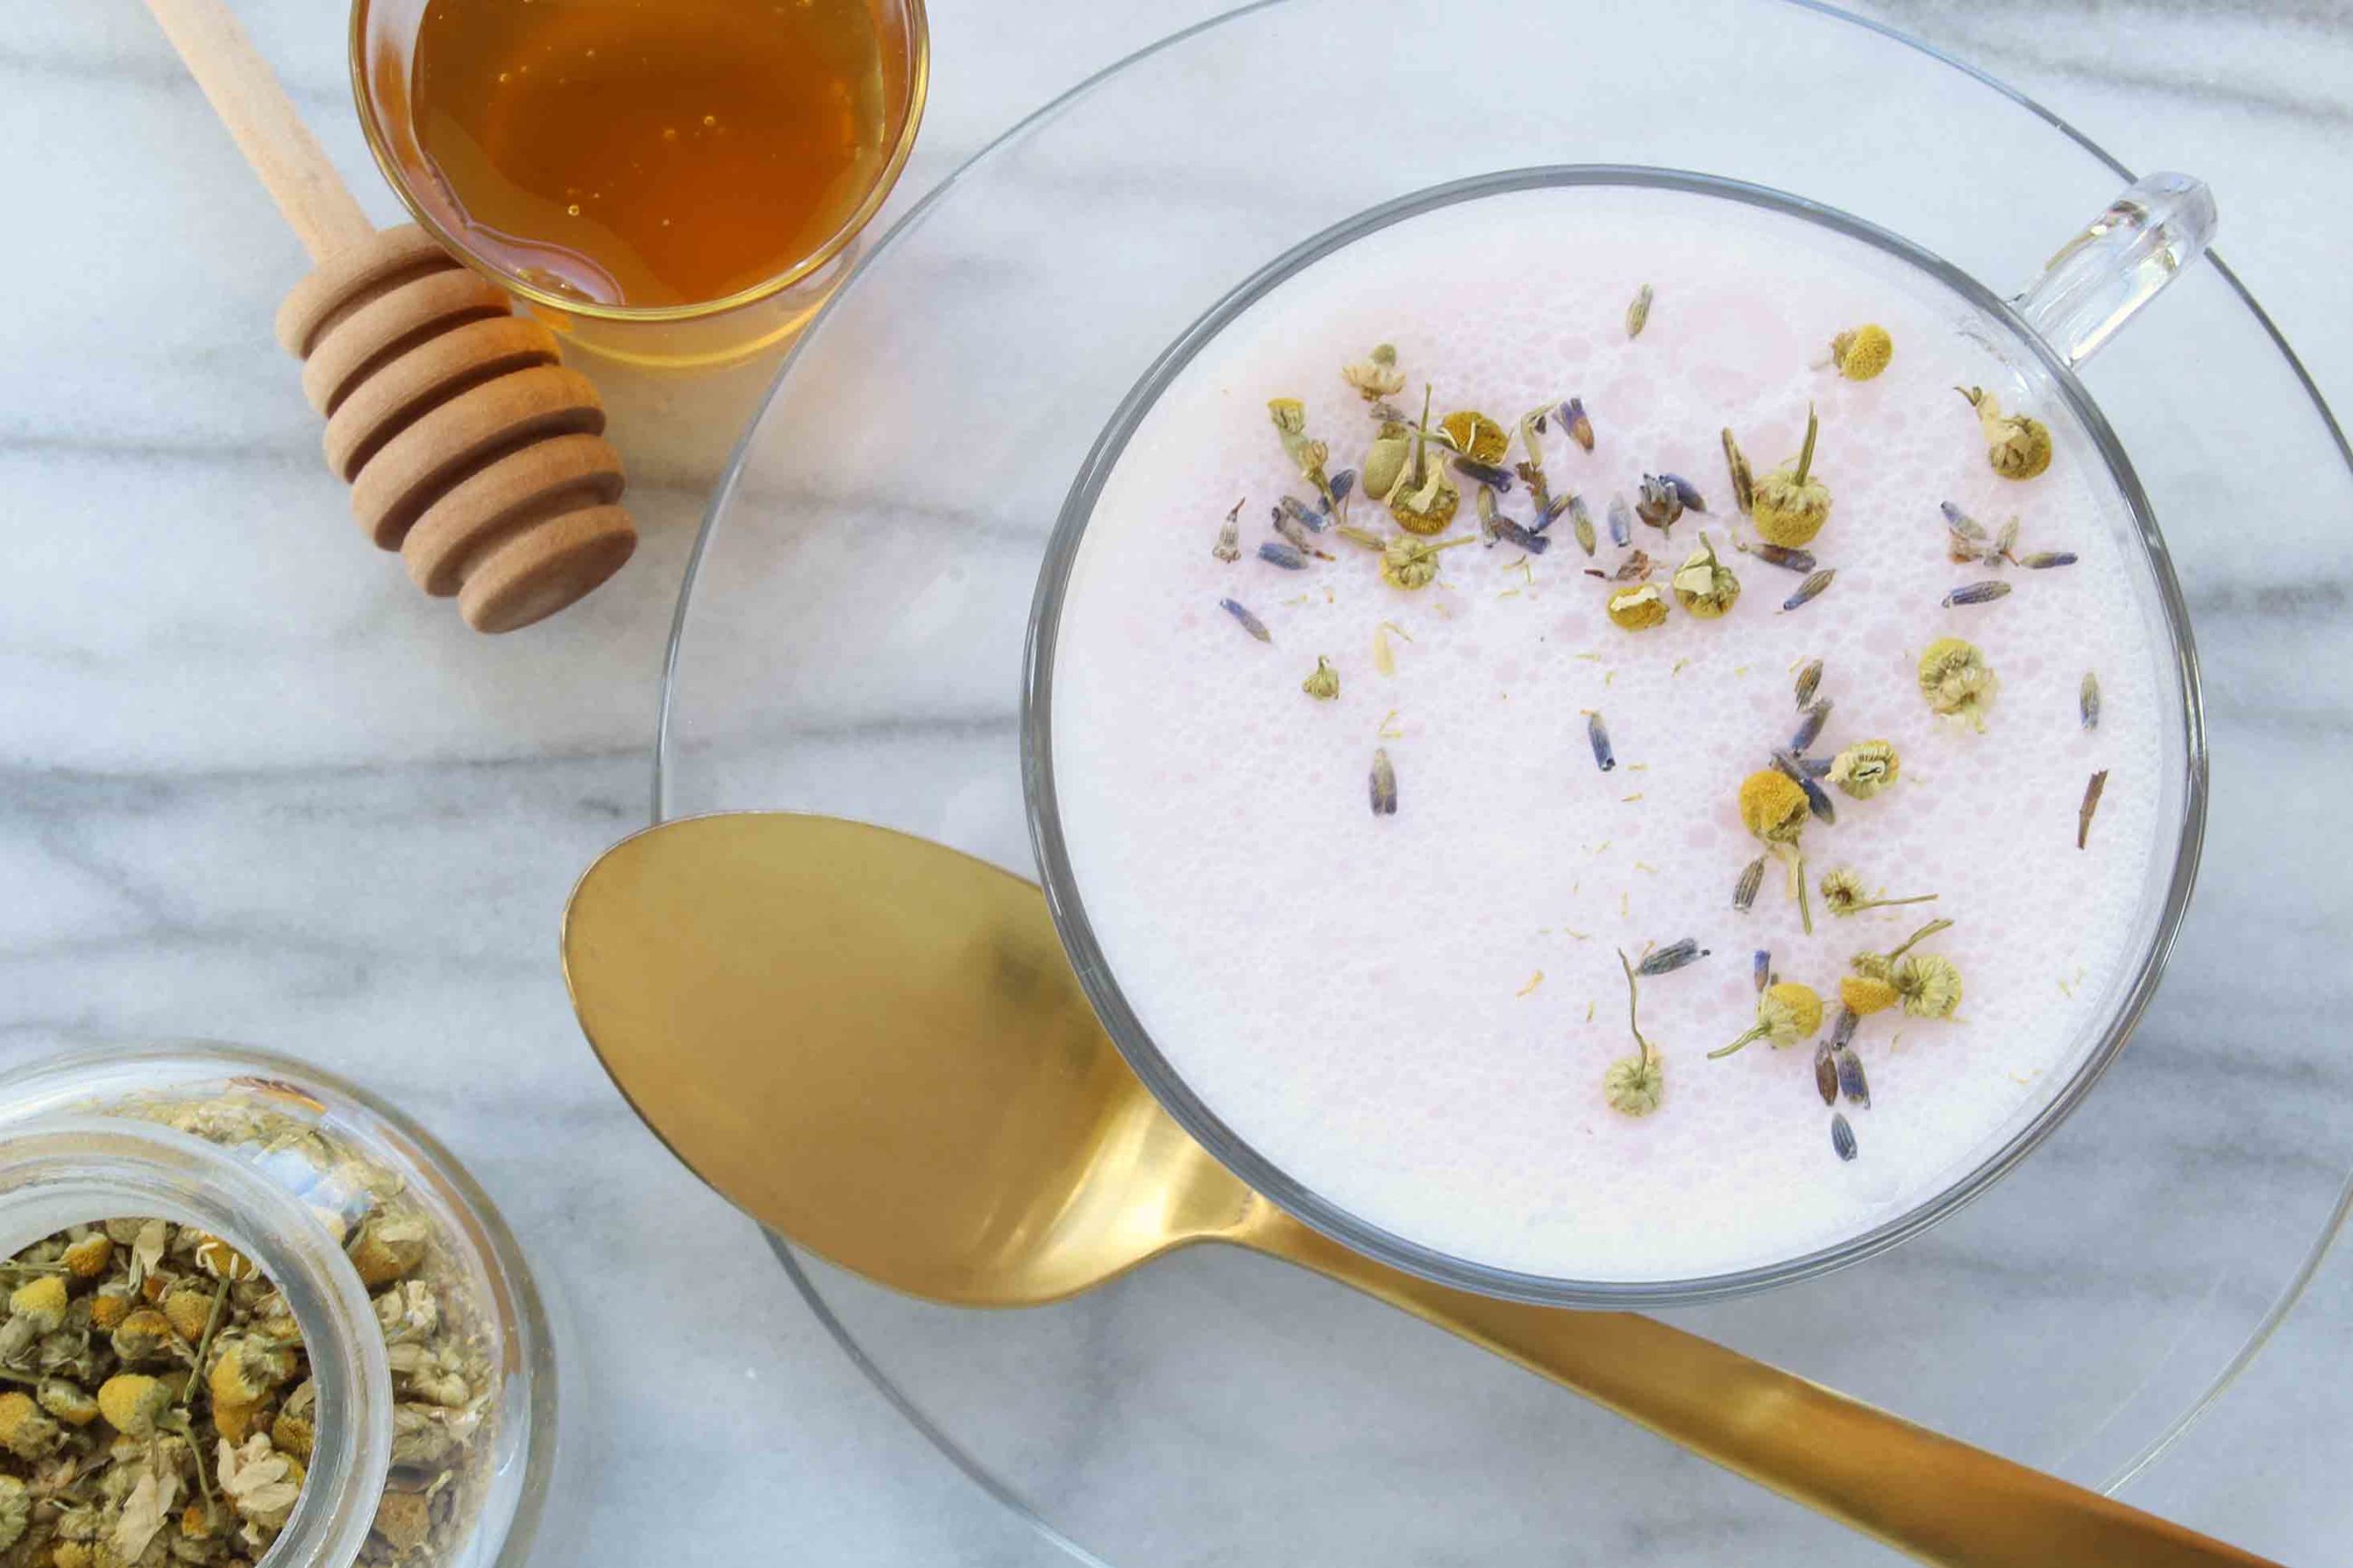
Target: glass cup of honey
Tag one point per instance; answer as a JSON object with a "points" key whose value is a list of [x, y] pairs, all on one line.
{"points": [[671, 183]]}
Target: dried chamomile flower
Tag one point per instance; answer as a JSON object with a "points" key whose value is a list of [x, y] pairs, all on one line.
{"points": [[1634, 1085], [1476, 437], [88, 1258], [1428, 504], [1408, 563], [1882, 966], [1864, 995], [40, 1303], [133, 1402], [1385, 461], [1862, 352], [1790, 506], [15, 1511], [1705, 585], [1865, 768], [26, 1430], [69, 1403], [1308, 456], [1324, 683], [1786, 1013], [2016, 447], [1773, 806], [1376, 376], [1638, 608], [1929, 985], [1843, 891], [1957, 680]]}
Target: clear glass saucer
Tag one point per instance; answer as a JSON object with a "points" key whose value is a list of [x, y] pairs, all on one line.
{"points": [[849, 641]]}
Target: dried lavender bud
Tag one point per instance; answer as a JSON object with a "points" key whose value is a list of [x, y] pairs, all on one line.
{"points": [[1808, 679], [1842, 1136], [1344, 484], [1638, 314], [1842, 1029], [1511, 533], [1810, 589], [1597, 733], [1384, 784], [2091, 804], [1984, 593], [1298, 538], [1818, 799], [1744, 892], [1809, 727], [1299, 511], [1228, 548], [1744, 482], [2044, 559], [1817, 767], [1667, 959], [1781, 555], [1249, 622], [1573, 420], [1826, 1075], [1622, 522], [1851, 1080], [1581, 521], [1660, 503], [1685, 491], [1274, 552], [2089, 699], [1487, 474]]}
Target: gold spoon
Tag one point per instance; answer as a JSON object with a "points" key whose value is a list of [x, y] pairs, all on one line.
{"points": [[875, 1045]]}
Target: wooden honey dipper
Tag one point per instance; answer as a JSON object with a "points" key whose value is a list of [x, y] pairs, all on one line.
{"points": [[468, 446]]}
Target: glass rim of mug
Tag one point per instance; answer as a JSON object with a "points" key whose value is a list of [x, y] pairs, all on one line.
{"points": [[1134, 1041], [917, 94]]}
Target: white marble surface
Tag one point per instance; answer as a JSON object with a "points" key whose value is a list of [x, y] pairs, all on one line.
{"points": [[257, 788]]}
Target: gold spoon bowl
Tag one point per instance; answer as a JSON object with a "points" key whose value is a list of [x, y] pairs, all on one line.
{"points": [[875, 1046]]}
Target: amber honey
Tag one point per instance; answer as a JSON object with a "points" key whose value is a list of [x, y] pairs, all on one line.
{"points": [[649, 152]]}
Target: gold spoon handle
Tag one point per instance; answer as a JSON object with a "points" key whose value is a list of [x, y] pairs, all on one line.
{"points": [[1938, 1499]]}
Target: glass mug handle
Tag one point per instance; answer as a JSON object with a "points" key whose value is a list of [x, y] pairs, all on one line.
{"points": [[2160, 225]]}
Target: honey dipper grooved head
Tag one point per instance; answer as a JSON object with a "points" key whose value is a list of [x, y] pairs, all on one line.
{"points": [[468, 446]]}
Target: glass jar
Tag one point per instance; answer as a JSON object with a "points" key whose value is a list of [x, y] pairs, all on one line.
{"points": [[294, 1168]]}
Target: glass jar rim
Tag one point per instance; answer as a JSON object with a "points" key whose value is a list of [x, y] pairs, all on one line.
{"points": [[917, 95], [1159, 1075], [64, 1169]]}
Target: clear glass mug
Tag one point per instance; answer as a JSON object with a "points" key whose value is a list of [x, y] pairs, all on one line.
{"points": [[2095, 283], [702, 333]]}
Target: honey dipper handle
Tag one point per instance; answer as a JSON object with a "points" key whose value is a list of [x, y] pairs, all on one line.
{"points": [[244, 93]]}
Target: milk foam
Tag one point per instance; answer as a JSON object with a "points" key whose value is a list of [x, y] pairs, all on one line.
{"points": [[1353, 996]]}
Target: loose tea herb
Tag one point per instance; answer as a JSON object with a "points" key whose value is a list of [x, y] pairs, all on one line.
{"points": [[1862, 352], [1790, 506], [1957, 680], [1634, 1085], [1247, 621], [1668, 959], [1809, 726], [1752, 878], [1228, 548], [1573, 419], [1307, 454], [1703, 585], [1384, 784], [1638, 608], [1598, 734], [1865, 768], [1810, 589], [1743, 483], [1638, 314], [1324, 683], [1376, 376], [1843, 893], [2091, 804], [1773, 806], [2016, 447], [1786, 1014], [1809, 680]]}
